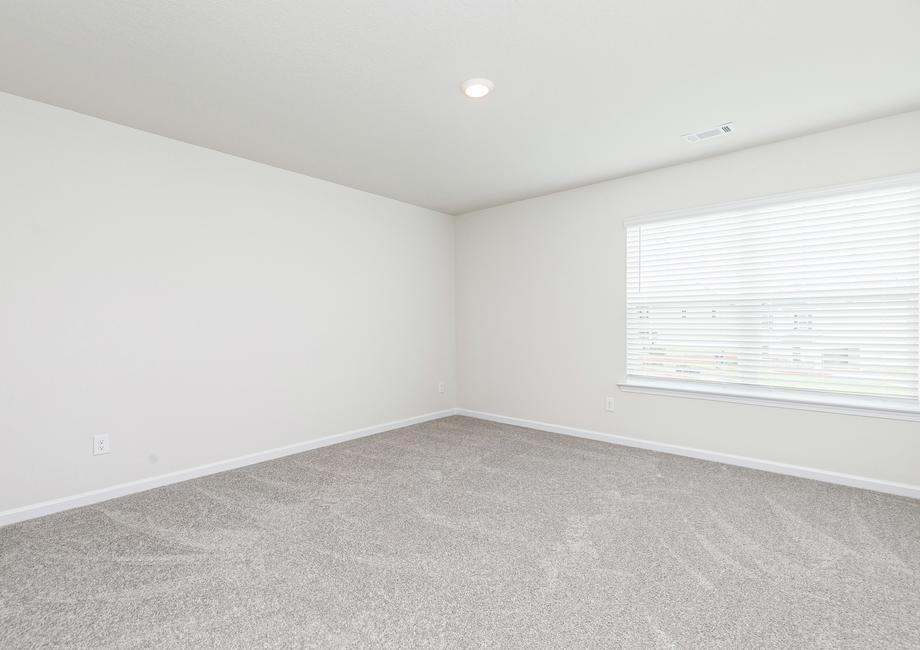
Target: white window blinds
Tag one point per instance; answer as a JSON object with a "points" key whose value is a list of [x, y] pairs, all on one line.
{"points": [[815, 293]]}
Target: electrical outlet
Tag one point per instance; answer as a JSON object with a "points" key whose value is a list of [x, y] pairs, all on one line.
{"points": [[101, 444], [610, 405], [441, 387]]}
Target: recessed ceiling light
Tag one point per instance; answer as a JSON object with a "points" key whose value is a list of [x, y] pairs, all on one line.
{"points": [[477, 88]]}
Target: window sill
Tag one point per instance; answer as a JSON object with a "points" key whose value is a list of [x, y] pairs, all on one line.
{"points": [[802, 400]]}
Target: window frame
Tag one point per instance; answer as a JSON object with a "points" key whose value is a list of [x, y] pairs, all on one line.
{"points": [[811, 400]]}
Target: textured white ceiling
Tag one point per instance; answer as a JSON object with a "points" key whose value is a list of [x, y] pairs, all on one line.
{"points": [[366, 92]]}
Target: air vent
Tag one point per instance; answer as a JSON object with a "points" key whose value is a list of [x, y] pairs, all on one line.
{"points": [[709, 134]]}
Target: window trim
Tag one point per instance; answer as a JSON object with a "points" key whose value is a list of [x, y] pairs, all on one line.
{"points": [[782, 398], [826, 402]]}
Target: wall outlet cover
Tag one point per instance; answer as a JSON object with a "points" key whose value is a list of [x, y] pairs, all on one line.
{"points": [[101, 444], [610, 404]]}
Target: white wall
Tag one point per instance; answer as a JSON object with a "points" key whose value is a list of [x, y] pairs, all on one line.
{"points": [[197, 306], [541, 307]]}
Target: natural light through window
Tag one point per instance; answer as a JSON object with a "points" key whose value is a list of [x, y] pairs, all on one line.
{"points": [[813, 297]]}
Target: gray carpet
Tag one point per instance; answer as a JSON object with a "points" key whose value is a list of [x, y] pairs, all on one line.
{"points": [[464, 533]]}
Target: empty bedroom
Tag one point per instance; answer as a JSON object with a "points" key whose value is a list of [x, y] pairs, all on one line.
{"points": [[459, 324]]}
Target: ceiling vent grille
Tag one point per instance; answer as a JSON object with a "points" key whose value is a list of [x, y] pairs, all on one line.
{"points": [[709, 134]]}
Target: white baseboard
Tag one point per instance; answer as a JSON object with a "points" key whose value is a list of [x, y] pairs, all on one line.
{"points": [[123, 489], [877, 485]]}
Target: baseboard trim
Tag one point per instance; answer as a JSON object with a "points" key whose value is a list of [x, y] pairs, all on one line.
{"points": [[123, 489], [850, 480]]}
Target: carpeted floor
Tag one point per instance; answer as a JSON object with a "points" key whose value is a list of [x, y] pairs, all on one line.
{"points": [[464, 533]]}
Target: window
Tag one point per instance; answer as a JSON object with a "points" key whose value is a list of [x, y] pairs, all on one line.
{"points": [[811, 298]]}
